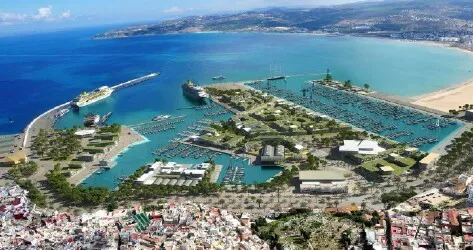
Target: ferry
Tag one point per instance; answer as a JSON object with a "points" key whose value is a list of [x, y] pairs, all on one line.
{"points": [[218, 78], [91, 120], [273, 78], [96, 95], [160, 118], [193, 91]]}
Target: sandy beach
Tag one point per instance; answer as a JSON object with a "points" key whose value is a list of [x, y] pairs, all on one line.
{"points": [[447, 99]]}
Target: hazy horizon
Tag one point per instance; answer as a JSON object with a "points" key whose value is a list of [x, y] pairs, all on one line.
{"points": [[33, 16]]}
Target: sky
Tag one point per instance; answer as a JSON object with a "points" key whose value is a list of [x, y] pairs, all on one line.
{"points": [[19, 16]]}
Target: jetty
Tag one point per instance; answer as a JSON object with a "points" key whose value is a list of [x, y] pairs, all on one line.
{"points": [[135, 81], [46, 120]]}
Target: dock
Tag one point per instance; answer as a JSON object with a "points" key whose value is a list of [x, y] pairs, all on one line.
{"points": [[135, 81], [46, 119]]}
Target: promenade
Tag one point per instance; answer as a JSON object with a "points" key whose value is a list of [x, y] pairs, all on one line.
{"points": [[128, 137]]}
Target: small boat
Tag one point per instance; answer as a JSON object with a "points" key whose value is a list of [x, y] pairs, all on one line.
{"points": [[61, 113], [218, 78], [98, 172], [160, 117]]}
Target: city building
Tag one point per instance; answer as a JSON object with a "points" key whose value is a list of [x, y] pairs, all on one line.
{"points": [[364, 147], [385, 170], [469, 114], [322, 181], [429, 160], [272, 155]]}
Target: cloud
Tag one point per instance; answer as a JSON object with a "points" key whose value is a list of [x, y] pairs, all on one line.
{"points": [[6, 17], [174, 10], [65, 14], [42, 14]]}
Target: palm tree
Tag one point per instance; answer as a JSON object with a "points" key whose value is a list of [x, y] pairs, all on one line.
{"points": [[259, 201], [336, 203], [367, 86]]}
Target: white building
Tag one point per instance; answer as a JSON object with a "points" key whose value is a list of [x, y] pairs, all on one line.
{"points": [[364, 147], [322, 181]]}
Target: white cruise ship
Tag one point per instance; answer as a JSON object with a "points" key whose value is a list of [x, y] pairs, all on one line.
{"points": [[96, 95]]}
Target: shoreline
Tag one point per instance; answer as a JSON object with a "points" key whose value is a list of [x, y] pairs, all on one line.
{"points": [[126, 142], [448, 98]]}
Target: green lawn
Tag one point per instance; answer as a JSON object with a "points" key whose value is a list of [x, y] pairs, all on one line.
{"points": [[372, 165]]}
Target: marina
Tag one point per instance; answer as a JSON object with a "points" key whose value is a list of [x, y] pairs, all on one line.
{"points": [[234, 175], [402, 124]]}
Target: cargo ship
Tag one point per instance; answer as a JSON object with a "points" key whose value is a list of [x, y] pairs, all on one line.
{"points": [[96, 95], [194, 92], [91, 120]]}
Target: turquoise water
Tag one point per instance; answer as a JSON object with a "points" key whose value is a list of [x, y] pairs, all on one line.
{"points": [[42, 71]]}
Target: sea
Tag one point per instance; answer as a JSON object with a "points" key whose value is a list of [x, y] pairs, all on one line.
{"points": [[40, 71]]}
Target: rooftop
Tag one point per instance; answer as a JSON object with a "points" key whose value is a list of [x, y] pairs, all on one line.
{"points": [[320, 175]]}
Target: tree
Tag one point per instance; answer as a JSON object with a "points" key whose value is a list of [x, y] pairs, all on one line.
{"points": [[112, 205], [336, 203], [347, 84], [367, 86], [259, 201], [363, 205]]}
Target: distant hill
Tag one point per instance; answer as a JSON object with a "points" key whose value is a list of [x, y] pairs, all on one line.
{"points": [[444, 17]]}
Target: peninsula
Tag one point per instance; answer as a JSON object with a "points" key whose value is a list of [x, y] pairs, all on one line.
{"points": [[443, 21]]}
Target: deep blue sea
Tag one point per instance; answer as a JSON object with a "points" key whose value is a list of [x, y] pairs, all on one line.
{"points": [[40, 71]]}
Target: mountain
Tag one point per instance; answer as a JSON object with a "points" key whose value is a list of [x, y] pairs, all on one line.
{"points": [[399, 18]]}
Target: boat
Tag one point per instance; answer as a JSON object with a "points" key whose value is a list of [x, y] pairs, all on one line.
{"points": [[61, 113], [218, 78], [105, 117], [10, 120], [273, 78], [91, 120], [194, 91], [96, 95], [160, 118]]}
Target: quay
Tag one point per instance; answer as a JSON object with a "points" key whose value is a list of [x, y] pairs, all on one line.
{"points": [[227, 152], [46, 119], [251, 157], [128, 139], [135, 81]]}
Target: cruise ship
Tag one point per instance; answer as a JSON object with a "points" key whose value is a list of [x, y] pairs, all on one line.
{"points": [[194, 92], [96, 95]]}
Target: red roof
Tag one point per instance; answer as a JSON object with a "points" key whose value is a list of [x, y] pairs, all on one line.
{"points": [[3, 208], [16, 202], [453, 217]]}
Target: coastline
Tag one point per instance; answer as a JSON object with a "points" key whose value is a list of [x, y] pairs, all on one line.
{"points": [[448, 98], [128, 139]]}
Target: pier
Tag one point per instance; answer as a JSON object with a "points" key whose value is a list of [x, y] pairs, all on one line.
{"points": [[135, 81], [46, 119]]}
